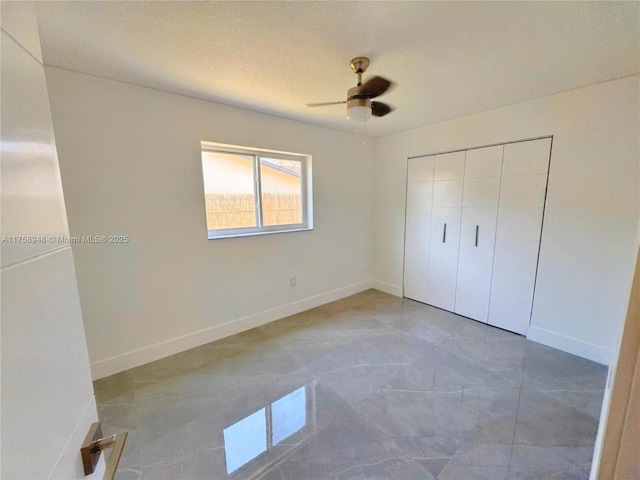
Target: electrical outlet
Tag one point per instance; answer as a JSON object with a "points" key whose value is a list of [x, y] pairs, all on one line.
{"points": [[292, 281]]}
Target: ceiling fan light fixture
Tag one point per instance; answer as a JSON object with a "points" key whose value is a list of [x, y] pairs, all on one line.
{"points": [[359, 110], [359, 114]]}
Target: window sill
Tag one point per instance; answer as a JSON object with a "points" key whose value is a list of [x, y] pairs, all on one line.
{"points": [[218, 235]]}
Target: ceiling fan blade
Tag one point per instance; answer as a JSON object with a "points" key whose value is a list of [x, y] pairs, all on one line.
{"points": [[374, 87], [323, 104], [379, 109]]}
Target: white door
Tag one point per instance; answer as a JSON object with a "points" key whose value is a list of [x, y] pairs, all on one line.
{"points": [[418, 227], [445, 229], [477, 237], [522, 196], [47, 393]]}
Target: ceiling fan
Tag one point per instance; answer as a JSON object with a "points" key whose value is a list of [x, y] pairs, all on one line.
{"points": [[359, 104]]}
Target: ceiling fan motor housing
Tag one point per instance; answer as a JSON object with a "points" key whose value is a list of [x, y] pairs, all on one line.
{"points": [[354, 98]]}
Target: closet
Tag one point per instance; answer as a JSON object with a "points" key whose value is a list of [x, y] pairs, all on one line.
{"points": [[473, 227]]}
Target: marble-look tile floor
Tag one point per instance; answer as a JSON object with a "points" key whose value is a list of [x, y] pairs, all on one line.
{"points": [[370, 386]]}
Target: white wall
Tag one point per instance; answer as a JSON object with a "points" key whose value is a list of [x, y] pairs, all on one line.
{"points": [[589, 238], [47, 395], [130, 161]]}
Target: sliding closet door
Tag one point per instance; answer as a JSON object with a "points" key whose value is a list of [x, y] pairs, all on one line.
{"points": [[477, 239], [445, 229], [418, 227], [522, 196]]}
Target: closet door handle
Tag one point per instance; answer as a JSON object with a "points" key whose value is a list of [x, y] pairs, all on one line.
{"points": [[477, 229], [444, 233]]}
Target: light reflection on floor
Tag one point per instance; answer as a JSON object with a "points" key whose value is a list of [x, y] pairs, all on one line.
{"points": [[257, 433]]}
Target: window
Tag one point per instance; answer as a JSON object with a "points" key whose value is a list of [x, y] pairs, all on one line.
{"points": [[252, 192]]}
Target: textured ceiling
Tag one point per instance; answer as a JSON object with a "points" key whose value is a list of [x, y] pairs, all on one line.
{"points": [[448, 59]]}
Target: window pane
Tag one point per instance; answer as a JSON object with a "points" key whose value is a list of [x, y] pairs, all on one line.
{"points": [[281, 182], [229, 190]]}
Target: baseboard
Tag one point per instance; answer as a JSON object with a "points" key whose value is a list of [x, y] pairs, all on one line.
{"points": [[135, 358], [388, 288], [571, 345]]}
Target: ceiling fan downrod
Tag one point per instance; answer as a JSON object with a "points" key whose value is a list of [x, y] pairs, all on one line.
{"points": [[359, 66]]}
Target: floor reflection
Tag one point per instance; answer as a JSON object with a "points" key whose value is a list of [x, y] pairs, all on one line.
{"points": [[245, 440], [249, 442]]}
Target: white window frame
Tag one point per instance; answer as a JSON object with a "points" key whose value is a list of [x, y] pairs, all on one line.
{"points": [[306, 190]]}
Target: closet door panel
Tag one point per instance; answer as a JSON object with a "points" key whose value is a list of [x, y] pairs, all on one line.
{"points": [[484, 162], [419, 195], [520, 223], [514, 254], [481, 192], [443, 258], [474, 277], [522, 195], [417, 246], [447, 193], [509, 314], [472, 304], [420, 169], [419, 223], [526, 158], [441, 293], [472, 255], [513, 284], [445, 237], [449, 166], [475, 266], [523, 191], [484, 218], [418, 226], [478, 225]]}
